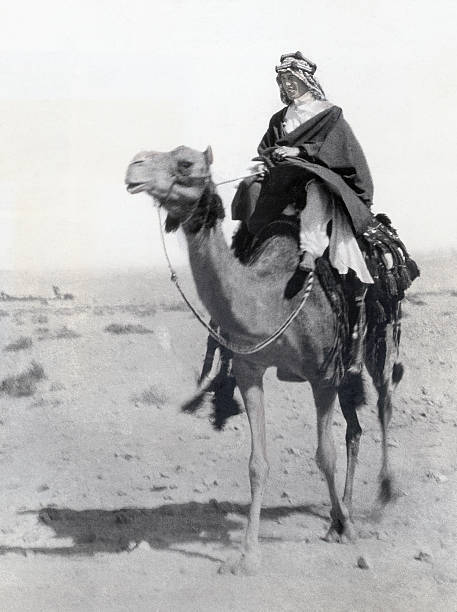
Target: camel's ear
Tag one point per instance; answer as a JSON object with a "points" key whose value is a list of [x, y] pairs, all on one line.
{"points": [[209, 155]]}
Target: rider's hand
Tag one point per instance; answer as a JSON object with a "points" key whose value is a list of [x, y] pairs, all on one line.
{"points": [[283, 152], [259, 169], [267, 163]]}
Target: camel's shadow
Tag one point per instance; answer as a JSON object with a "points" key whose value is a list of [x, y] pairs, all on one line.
{"points": [[166, 527]]}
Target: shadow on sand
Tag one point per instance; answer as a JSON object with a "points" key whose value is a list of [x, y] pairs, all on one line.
{"points": [[166, 527]]}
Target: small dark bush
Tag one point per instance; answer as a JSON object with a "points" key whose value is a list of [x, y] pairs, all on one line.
{"points": [[175, 307], [152, 396], [129, 328], [24, 342], [23, 384], [65, 332]]}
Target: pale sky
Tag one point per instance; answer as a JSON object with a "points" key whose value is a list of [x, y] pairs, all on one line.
{"points": [[87, 84]]}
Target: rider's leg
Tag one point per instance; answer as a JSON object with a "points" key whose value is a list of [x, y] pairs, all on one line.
{"points": [[314, 220]]}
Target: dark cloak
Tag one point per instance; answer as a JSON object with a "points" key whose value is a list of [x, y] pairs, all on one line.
{"points": [[329, 151]]}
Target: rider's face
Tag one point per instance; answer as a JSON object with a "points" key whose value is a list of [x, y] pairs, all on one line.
{"points": [[293, 87]]}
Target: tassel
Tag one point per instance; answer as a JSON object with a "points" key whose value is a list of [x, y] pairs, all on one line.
{"points": [[413, 270], [391, 284], [397, 372], [404, 277], [377, 313], [384, 219]]}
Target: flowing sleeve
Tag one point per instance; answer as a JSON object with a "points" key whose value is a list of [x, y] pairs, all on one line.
{"points": [[341, 151]]}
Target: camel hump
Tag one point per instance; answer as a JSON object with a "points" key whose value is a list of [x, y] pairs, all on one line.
{"points": [[252, 249]]}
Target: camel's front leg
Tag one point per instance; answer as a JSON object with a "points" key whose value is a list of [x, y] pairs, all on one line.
{"points": [[249, 381]]}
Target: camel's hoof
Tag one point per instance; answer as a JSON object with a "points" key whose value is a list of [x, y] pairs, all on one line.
{"points": [[247, 565], [387, 490], [340, 533]]}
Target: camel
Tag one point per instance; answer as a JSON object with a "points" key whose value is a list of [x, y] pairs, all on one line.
{"points": [[248, 303]]}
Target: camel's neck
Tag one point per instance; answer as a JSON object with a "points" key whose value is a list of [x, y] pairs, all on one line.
{"points": [[217, 273]]}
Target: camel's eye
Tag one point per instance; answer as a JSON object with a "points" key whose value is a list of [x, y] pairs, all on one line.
{"points": [[184, 166]]}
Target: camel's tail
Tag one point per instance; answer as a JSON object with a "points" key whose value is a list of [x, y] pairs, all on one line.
{"points": [[397, 373]]}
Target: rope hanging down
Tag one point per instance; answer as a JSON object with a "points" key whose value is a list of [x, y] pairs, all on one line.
{"points": [[235, 348]]}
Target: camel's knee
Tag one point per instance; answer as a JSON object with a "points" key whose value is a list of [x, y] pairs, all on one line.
{"points": [[258, 471]]}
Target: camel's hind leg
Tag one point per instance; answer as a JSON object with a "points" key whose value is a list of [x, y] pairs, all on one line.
{"points": [[384, 415], [386, 373], [341, 527], [348, 405], [249, 381]]}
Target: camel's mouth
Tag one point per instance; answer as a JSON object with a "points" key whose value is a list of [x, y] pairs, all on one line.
{"points": [[135, 187]]}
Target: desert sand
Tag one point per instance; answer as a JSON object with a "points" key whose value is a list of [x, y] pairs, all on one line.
{"points": [[113, 499]]}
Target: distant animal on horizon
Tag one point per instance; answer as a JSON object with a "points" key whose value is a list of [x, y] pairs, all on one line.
{"points": [[60, 296]]}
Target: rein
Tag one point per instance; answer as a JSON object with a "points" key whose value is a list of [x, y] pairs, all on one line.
{"points": [[231, 346], [239, 178]]}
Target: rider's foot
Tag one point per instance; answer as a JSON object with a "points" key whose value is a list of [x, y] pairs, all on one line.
{"points": [[305, 266]]}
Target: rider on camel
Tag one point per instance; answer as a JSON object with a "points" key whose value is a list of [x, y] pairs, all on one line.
{"points": [[316, 170], [316, 177]]}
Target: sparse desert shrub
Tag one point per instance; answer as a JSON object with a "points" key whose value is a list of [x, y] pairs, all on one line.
{"points": [[24, 342], [57, 386], [175, 307], [152, 396], [25, 383], [43, 333], [148, 311], [66, 332], [145, 311], [40, 319], [67, 312], [127, 328], [416, 300]]}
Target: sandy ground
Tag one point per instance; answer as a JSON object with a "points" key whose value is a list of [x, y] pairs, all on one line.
{"points": [[111, 499]]}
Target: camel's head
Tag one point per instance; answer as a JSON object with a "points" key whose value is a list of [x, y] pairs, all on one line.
{"points": [[178, 180]]}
